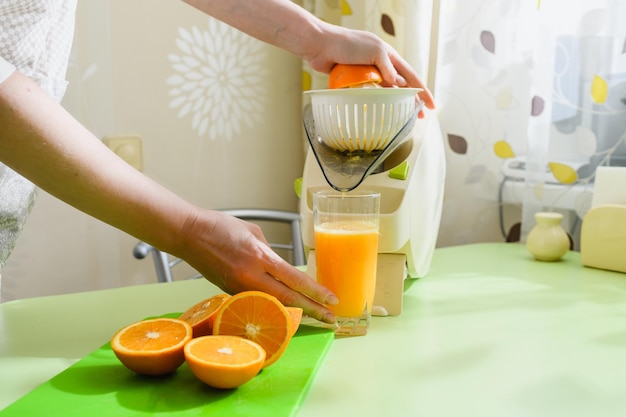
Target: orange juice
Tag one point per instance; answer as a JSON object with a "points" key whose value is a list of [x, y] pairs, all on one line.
{"points": [[346, 253]]}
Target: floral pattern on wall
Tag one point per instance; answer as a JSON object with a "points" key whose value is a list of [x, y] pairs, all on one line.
{"points": [[218, 80]]}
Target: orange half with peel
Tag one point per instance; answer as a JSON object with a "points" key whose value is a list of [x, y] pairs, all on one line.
{"points": [[346, 76], [202, 315], [259, 317], [152, 347], [224, 362], [295, 313]]}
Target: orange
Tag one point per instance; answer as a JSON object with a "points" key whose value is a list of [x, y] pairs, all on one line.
{"points": [[343, 76], [224, 361], [259, 317], [295, 313], [201, 315], [152, 347]]}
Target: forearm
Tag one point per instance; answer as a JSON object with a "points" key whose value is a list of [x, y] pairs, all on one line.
{"points": [[286, 25], [45, 144], [278, 22]]}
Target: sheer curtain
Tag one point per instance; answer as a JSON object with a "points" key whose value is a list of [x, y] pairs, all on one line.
{"points": [[531, 96], [578, 105]]}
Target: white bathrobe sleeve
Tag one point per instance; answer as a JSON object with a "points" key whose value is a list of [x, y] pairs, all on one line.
{"points": [[6, 69]]}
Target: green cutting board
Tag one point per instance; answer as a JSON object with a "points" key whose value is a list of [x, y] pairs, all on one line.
{"points": [[99, 385]]}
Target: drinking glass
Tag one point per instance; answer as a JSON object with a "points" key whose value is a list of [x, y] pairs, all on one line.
{"points": [[346, 253]]}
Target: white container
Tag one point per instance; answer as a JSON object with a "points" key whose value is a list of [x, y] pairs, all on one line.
{"points": [[365, 119]]}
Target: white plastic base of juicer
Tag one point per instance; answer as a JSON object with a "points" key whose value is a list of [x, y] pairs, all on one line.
{"points": [[410, 212]]}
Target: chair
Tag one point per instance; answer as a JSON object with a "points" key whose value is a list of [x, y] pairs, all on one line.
{"points": [[163, 262]]}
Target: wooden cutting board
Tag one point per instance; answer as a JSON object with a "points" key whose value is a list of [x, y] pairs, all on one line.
{"points": [[99, 385]]}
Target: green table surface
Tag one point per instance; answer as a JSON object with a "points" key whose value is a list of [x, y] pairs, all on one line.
{"points": [[489, 332]]}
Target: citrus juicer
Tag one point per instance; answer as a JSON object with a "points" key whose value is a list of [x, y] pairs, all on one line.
{"points": [[371, 138], [351, 131]]}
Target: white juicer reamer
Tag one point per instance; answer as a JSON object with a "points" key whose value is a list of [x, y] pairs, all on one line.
{"points": [[371, 138]]}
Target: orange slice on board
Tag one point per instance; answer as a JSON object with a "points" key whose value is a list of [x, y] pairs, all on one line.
{"points": [[152, 347], [224, 361], [202, 315], [259, 317], [345, 76], [295, 313]]}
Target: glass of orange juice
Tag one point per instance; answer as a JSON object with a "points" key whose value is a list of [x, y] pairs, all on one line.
{"points": [[346, 253]]}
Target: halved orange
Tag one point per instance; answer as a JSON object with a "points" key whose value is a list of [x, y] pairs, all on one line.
{"points": [[201, 315], [224, 361], [152, 347], [259, 317], [345, 76], [296, 317]]}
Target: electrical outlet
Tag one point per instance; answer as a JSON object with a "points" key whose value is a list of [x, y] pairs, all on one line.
{"points": [[129, 148]]}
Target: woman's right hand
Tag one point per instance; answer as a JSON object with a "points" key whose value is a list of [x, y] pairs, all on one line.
{"points": [[340, 45], [234, 255]]}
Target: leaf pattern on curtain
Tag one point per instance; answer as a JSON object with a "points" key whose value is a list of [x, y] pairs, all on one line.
{"points": [[552, 88], [387, 24], [503, 149], [537, 106], [583, 121], [564, 173], [599, 89], [346, 10], [488, 40], [457, 143]]}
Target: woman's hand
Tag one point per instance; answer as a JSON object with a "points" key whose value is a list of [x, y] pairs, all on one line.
{"points": [[347, 46], [286, 25], [234, 255]]}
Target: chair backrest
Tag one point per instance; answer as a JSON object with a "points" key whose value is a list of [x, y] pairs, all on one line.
{"points": [[164, 263]]}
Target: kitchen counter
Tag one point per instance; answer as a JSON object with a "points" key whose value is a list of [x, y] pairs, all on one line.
{"points": [[489, 332]]}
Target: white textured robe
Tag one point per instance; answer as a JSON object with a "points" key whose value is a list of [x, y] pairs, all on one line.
{"points": [[35, 39]]}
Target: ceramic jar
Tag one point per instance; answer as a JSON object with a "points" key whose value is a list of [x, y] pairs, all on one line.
{"points": [[547, 241]]}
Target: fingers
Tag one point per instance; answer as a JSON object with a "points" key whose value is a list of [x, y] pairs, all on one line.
{"points": [[263, 281], [428, 98], [292, 297], [236, 257], [391, 76], [397, 72], [411, 78], [293, 287], [302, 283], [273, 275]]}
